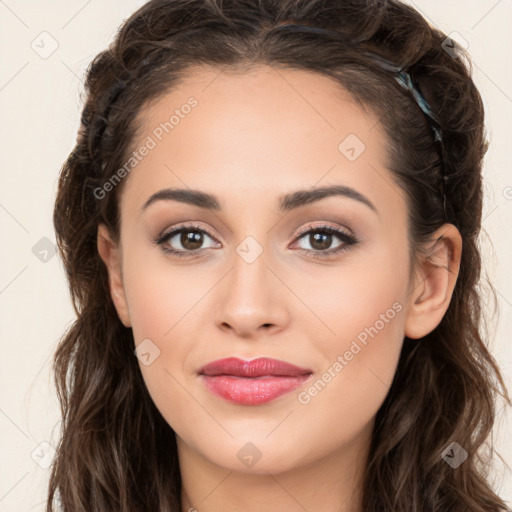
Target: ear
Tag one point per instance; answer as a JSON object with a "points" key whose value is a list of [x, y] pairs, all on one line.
{"points": [[111, 255], [434, 282]]}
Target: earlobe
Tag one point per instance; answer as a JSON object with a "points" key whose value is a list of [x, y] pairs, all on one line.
{"points": [[111, 256], [436, 278]]}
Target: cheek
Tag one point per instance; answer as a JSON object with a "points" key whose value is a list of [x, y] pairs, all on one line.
{"points": [[161, 304], [359, 367], [364, 309], [165, 303], [364, 292], [162, 299]]}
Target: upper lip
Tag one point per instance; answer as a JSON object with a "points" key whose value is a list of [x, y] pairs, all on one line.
{"points": [[254, 368]]}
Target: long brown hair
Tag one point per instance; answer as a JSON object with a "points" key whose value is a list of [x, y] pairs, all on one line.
{"points": [[116, 452]]}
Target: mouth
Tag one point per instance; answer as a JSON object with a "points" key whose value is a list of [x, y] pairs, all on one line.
{"points": [[252, 382]]}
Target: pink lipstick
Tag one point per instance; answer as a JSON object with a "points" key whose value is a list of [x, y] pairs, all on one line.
{"points": [[252, 382]]}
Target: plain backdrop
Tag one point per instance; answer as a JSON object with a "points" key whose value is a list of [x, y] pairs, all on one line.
{"points": [[45, 47]]}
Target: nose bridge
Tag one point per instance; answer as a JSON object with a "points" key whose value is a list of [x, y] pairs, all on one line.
{"points": [[249, 279], [251, 295]]}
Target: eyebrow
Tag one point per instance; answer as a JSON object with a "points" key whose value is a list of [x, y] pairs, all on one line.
{"points": [[286, 203]]}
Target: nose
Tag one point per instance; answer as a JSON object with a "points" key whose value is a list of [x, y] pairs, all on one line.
{"points": [[251, 300]]}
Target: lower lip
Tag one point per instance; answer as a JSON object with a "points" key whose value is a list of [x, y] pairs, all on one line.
{"points": [[252, 391]]}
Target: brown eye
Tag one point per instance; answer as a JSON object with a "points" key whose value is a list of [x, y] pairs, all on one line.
{"points": [[185, 241], [321, 239], [191, 240]]}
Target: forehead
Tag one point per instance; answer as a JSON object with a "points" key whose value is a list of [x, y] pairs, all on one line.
{"points": [[272, 100], [257, 132]]}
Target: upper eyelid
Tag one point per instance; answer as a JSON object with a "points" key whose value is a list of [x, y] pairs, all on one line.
{"points": [[343, 230], [184, 227]]}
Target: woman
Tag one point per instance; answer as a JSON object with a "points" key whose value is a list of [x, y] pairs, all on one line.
{"points": [[269, 225]]}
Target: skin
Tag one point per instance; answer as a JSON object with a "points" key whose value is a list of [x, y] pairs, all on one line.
{"points": [[253, 137]]}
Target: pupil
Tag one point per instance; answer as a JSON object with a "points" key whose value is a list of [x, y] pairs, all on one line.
{"points": [[321, 241], [191, 240]]}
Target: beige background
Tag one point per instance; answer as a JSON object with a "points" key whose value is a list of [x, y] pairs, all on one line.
{"points": [[40, 106]]}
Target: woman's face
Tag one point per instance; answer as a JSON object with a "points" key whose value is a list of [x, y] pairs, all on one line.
{"points": [[253, 284]]}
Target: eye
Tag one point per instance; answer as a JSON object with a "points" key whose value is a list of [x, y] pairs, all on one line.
{"points": [[320, 239], [191, 239]]}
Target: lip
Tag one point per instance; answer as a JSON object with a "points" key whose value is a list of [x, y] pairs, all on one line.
{"points": [[252, 382], [255, 368]]}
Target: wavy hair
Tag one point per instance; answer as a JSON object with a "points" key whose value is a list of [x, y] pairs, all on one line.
{"points": [[116, 452]]}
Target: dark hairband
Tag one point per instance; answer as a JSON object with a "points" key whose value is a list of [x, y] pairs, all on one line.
{"points": [[403, 77]]}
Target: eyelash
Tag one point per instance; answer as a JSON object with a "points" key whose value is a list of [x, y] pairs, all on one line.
{"points": [[349, 240]]}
